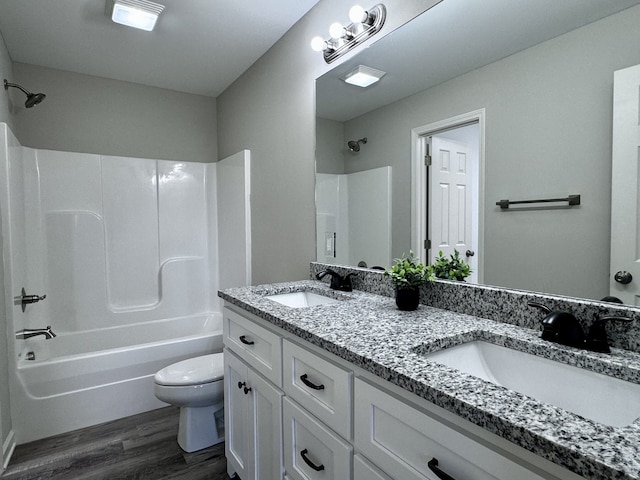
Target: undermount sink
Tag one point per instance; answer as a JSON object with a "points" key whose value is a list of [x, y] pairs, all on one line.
{"points": [[301, 299], [595, 396]]}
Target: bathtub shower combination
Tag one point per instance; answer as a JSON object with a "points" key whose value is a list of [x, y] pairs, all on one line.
{"points": [[125, 250]]}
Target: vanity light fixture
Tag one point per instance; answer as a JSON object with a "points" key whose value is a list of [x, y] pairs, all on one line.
{"points": [[363, 76], [140, 14], [365, 24]]}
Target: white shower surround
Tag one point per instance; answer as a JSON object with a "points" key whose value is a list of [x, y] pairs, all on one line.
{"points": [[126, 251], [354, 209]]}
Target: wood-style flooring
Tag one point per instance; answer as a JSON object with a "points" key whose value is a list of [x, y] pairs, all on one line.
{"points": [[141, 447]]}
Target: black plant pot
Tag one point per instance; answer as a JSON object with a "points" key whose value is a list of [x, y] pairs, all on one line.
{"points": [[408, 298]]}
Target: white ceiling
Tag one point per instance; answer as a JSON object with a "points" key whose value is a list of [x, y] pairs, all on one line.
{"points": [[198, 46], [453, 38]]}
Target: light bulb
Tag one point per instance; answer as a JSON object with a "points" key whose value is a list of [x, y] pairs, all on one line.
{"points": [[336, 30], [357, 14], [318, 44]]}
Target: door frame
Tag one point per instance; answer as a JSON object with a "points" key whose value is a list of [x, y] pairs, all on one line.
{"points": [[624, 183], [419, 187]]}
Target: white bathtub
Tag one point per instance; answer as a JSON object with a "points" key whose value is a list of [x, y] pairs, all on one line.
{"points": [[85, 378]]}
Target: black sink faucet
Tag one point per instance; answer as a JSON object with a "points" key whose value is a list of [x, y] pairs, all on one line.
{"points": [[597, 340], [338, 282], [560, 327], [563, 328]]}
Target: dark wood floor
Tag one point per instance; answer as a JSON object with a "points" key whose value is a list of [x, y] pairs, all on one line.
{"points": [[142, 447]]}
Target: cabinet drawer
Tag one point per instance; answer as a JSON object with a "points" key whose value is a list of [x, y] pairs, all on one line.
{"points": [[363, 470], [312, 451], [259, 347], [405, 441], [322, 387]]}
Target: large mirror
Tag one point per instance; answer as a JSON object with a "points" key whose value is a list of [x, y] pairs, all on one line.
{"points": [[534, 81]]}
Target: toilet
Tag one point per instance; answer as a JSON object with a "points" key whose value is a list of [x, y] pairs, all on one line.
{"points": [[196, 386]]}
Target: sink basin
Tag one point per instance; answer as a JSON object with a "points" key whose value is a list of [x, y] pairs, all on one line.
{"points": [[302, 299], [595, 396]]}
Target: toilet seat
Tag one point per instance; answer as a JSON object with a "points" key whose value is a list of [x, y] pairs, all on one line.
{"points": [[193, 371]]}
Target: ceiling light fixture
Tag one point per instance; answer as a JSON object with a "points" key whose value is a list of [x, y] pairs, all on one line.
{"points": [[365, 24], [140, 14], [363, 76]]}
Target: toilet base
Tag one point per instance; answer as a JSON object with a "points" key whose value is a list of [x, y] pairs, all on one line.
{"points": [[200, 427]]}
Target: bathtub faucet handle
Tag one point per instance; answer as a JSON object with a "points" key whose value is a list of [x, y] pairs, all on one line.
{"points": [[26, 299]]}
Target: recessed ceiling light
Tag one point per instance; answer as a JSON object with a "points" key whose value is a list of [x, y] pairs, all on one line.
{"points": [[363, 76], [140, 14]]}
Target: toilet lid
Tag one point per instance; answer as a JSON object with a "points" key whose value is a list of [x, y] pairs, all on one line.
{"points": [[194, 371]]}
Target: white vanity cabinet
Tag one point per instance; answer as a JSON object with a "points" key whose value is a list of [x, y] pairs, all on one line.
{"points": [[253, 403], [340, 422]]}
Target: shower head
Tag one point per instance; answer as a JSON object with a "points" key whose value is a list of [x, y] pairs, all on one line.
{"points": [[32, 98], [354, 146]]}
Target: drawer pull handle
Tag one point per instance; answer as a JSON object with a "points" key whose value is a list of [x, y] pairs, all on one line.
{"points": [[244, 340], [317, 468], [433, 466], [241, 384], [310, 384]]}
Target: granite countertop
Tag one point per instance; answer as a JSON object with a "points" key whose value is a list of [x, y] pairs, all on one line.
{"points": [[370, 332]]}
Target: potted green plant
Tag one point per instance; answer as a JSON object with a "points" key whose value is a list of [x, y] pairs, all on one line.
{"points": [[407, 275], [453, 268]]}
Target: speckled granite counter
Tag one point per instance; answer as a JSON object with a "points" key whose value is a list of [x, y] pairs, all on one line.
{"points": [[368, 331]]}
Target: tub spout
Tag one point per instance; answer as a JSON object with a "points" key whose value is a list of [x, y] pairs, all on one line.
{"points": [[23, 334]]}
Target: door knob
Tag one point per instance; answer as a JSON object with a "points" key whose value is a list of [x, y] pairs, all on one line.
{"points": [[470, 253], [623, 277]]}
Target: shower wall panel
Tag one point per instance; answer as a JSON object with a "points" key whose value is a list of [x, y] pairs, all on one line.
{"points": [[111, 240], [130, 209], [356, 207]]}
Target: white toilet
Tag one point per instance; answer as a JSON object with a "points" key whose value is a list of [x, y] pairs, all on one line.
{"points": [[195, 385]]}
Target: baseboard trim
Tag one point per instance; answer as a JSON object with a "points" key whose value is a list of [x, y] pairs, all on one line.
{"points": [[8, 447]]}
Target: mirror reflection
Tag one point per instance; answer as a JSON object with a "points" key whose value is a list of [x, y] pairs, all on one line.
{"points": [[532, 85]]}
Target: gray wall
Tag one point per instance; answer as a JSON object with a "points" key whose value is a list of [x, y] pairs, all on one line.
{"points": [[330, 146], [270, 110], [6, 71], [5, 408], [90, 114], [548, 134]]}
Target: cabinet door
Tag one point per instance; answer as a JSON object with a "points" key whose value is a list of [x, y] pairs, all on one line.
{"points": [[311, 450], [267, 422], [238, 424]]}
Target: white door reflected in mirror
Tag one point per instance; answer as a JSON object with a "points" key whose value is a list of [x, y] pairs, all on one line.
{"points": [[625, 188]]}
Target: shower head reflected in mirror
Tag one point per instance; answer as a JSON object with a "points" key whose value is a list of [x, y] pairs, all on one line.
{"points": [[354, 145], [33, 99]]}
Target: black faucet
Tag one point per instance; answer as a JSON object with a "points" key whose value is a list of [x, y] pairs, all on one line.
{"points": [[564, 328], [337, 281], [560, 327], [597, 340]]}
